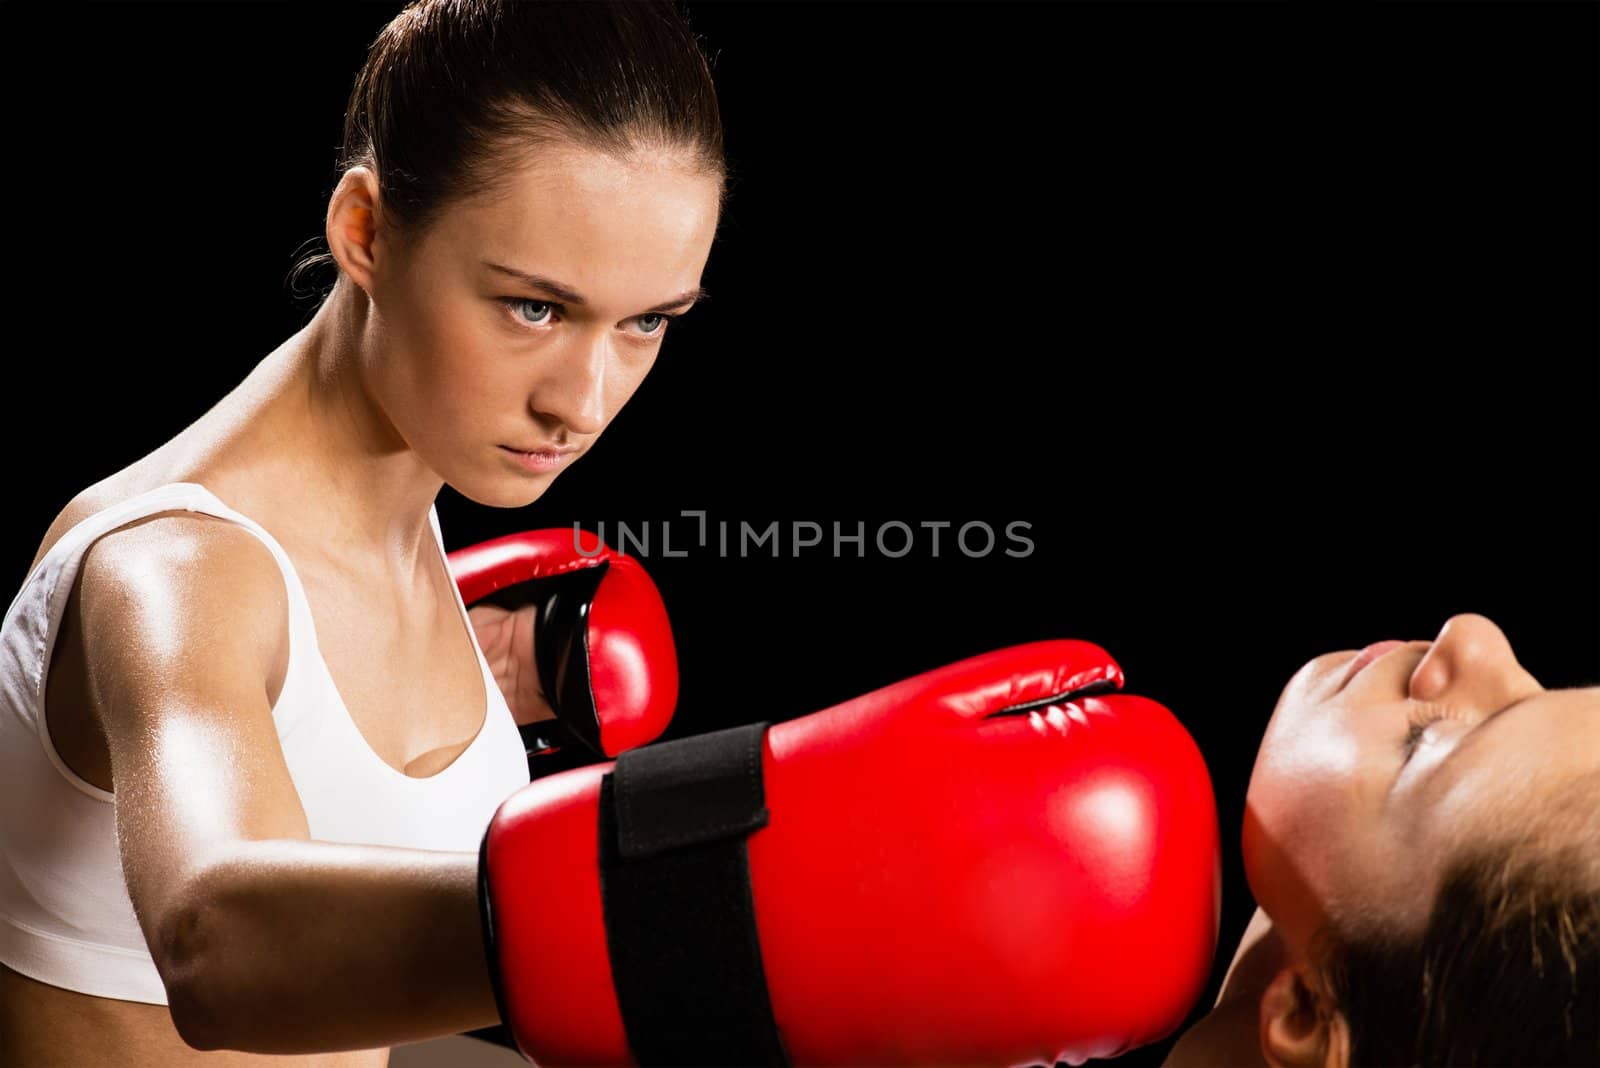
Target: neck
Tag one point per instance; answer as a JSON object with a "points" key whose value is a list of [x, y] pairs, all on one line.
{"points": [[321, 433], [1230, 1034], [1226, 1037]]}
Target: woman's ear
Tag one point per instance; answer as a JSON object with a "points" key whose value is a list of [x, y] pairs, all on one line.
{"points": [[1300, 1027], [352, 225]]}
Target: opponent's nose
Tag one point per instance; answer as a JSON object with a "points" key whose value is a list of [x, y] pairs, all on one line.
{"points": [[1471, 665]]}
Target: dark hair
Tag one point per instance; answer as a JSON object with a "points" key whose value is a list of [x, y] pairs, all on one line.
{"points": [[454, 91], [1507, 968]]}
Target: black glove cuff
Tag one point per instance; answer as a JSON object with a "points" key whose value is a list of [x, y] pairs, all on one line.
{"points": [[679, 912]]}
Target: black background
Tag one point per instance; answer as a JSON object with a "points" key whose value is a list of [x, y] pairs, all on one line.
{"points": [[1276, 324]]}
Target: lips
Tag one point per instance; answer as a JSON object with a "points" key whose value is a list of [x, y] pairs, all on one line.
{"points": [[1367, 656], [545, 450]]}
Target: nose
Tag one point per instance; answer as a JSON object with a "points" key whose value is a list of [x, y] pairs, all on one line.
{"points": [[573, 394], [1471, 664]]}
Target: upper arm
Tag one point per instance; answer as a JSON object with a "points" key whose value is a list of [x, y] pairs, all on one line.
{"points": [[183, 617]]}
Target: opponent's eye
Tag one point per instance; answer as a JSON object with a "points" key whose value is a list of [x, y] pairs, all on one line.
{"points": [[1420, 718]]}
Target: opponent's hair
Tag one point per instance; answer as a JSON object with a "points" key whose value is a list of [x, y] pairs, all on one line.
{"points": [[455, 92], [1506, 970]]}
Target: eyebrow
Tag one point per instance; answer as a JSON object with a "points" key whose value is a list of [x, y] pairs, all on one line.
{"points": [[568, 294]]}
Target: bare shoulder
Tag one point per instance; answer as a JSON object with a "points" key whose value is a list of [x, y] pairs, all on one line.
{"points": [[184, 572], [176, 610], [76, 511], [183, 624], [104, 494]]}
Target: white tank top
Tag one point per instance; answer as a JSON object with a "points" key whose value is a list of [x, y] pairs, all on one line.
{"points": [[65, 915]]}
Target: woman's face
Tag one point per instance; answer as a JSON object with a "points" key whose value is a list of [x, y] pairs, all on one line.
{"points": [[1364, 782], [527, 318]]}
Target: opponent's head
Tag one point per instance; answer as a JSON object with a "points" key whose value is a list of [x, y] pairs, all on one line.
{"points": [[1425, 835], [490, 140]]}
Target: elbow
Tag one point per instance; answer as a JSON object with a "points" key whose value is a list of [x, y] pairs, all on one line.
{"points": [[188, 960], [191, 1025]]}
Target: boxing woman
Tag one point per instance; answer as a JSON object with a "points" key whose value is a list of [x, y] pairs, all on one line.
{"points": [[262, 788], [239, 680], [1422, 834]]}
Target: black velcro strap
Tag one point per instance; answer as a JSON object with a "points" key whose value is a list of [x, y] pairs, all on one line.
{"points": [[679, 913], [689, 791]]}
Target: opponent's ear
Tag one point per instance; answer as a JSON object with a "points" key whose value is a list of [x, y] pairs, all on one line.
{"points": [[352, 225], [1300, 1027]]}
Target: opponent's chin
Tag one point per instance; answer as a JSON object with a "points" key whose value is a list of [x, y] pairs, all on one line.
{"points": [[1285, 868]]}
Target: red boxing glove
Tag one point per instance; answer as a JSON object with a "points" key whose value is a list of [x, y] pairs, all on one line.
{"points": [[601, 643], [999, 862]]}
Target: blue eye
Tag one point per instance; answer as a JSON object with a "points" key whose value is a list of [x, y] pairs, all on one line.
{"points": [[514, 304]]}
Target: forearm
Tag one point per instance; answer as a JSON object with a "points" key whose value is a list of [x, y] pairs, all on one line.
{"points": [[298, 947]]}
